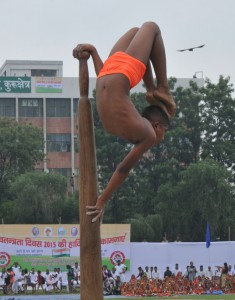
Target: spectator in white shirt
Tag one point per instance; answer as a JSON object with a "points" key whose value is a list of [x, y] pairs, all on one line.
{"points": [[59, 284], [176, 271], [121, 270], [155, 274], [48, 281], [76, 271], [147, 272], [33, 279], [233, 270], [230, 271], [209, 272], [200, 272]]}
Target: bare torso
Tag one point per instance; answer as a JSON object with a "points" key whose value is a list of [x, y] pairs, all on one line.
{"points": [[116, 110]]}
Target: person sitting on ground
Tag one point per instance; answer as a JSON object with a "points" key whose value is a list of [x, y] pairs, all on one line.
{"points": [[130, 61]]}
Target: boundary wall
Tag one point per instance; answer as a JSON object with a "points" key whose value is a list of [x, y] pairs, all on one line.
{"points": [[168, 254]]}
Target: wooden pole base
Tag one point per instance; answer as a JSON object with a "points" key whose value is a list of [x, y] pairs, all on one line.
{"points": [[90, 240]]}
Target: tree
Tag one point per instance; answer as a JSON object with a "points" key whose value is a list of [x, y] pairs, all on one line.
{"points": [[203, 193], [70, 210], [218, 115], [21, 147], [40, 196]]}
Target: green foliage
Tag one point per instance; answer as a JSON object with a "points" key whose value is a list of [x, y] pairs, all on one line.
{"points": [[6, 211], [70, 211], [21, 147], [40, 197], [218, 115], [147, 229], [202, 194]]}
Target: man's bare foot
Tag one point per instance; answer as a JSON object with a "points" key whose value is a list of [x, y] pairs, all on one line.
{"points": [[163, 99]]}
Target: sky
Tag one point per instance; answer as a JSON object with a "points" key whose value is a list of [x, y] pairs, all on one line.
{"points": [[50, 29]]}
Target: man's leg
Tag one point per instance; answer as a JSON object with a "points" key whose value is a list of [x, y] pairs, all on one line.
{"points": [[122, 45], [147, 44]]}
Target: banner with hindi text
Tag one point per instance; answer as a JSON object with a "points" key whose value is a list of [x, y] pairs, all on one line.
{"points": [[48, 85], [48, 246]]}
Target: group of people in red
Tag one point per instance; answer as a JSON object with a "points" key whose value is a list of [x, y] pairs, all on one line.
{"points": [[149, 283]]}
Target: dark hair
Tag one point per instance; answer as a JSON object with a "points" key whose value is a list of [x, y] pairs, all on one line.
{"points": [[156, 113]]}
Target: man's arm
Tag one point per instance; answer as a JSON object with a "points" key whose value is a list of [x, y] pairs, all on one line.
{"points": [[77, 53], [121, 174]]}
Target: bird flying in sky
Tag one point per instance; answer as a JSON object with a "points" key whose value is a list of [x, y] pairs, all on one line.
{"points": [[191, 49]]}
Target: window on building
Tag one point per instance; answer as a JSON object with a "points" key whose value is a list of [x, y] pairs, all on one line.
{"points": [[58, 142], [30, 107], [7, 107], [58, 107], [46, 73]]}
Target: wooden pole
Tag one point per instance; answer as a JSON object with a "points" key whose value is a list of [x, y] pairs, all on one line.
{"points": [[90, 243]]}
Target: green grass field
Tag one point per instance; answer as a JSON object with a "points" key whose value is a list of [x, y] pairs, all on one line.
{"points": [[187, 297], [195, 297]]}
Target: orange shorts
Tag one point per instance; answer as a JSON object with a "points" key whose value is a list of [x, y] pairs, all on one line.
{"points": [[123, 63]]}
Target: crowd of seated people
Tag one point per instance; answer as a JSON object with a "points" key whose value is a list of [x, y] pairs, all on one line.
{"points": [[149, 282], [16, 280], [113, 279]]}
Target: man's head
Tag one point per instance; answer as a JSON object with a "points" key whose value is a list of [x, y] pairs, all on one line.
{"points": [[155, 113], [159, 120]]}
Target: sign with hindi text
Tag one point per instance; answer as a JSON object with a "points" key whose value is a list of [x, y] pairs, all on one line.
{"points": [[15, 84]]}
